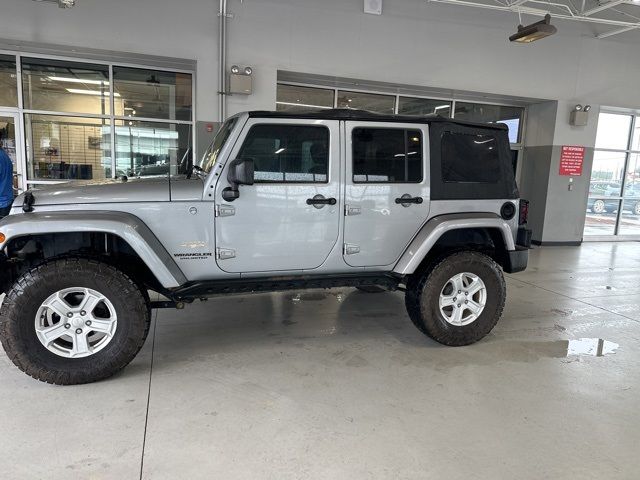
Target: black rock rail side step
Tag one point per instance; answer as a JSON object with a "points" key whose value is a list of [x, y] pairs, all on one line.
{"points": [[208, 288]]}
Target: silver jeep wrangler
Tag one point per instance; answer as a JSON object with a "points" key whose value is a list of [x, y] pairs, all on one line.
{"points": [[280, 201]]}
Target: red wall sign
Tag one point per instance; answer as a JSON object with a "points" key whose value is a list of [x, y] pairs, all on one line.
{"points": [[571, 160]]}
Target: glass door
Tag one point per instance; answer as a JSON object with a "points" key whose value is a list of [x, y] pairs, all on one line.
{"points": [[10, 143]]}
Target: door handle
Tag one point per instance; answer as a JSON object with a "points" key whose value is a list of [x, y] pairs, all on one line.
{"points": [[319, 200], [406, 199]]}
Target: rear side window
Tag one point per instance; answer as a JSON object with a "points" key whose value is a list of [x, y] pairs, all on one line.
{"points": [[387, 155], [288, 153], [470, 158]]}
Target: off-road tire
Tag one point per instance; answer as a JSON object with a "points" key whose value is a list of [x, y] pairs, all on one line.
{"points": [[20, 306], [371, 289], [423, 293]]}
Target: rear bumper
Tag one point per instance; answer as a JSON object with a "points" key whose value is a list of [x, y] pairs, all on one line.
{"points": [[516, 260]]}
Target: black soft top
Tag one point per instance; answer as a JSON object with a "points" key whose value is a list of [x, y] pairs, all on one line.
{"points": [[365, 116]]}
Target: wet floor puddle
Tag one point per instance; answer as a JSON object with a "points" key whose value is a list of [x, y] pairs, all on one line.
{"points": [[572, 349], [595, 347]]}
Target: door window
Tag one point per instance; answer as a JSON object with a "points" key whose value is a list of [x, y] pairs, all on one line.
{"points": [[288, 153], [387, 155]]}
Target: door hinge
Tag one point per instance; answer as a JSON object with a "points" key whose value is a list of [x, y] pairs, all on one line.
{"points": [[225, 253], [352, 210], [225, 210], [351, 249]]}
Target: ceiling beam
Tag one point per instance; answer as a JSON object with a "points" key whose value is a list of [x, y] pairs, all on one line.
{"points": [[604, 6], [618, 31], [539, 12]]}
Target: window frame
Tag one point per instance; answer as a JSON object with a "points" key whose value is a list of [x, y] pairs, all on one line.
{"points": [[251, 126], [404, 129]]}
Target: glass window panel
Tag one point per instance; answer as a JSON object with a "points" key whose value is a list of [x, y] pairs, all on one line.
{"points": [[8, 82], [424, 106], [479, 112], [470, 158], [635, 144], [292, 98], [604, 193], [153, 93], [286, 153], [8, 138], [145, 149], [613, 131], [387, 155], [67, 148], [367, 101], [630, 215], [60, 86]]}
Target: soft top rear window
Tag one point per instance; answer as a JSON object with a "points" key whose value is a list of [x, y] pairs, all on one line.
{"points": [[470, 158]]}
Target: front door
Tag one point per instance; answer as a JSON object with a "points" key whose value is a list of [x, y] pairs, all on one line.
{"points": [[9, 138], [387, 190], [289, 218]]}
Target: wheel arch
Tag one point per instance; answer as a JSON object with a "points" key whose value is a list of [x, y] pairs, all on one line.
{"points": [[447, 233], [76, 231]]}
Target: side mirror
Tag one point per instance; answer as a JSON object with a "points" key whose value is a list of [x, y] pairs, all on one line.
{"points": [[240, 173]]}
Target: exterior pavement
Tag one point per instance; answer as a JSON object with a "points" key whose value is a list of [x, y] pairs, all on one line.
{"points": [[340, 385]]}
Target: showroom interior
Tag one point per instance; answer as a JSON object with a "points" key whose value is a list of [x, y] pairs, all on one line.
{"points": [[337, 383]]}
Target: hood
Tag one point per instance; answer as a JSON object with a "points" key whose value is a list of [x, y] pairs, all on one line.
{"points": [[101, 191]]}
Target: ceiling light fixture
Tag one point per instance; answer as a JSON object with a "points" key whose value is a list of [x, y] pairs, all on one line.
{"points": [[91, 92], [79, 80], [533, 32], [61, 3]]}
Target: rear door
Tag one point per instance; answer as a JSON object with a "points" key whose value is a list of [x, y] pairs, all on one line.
{"points": [[289, 218], [386, 190]]}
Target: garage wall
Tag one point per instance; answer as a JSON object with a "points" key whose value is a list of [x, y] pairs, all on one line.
{"points": [[419, 43], [556, 213], [150, 27], [414, 42]]}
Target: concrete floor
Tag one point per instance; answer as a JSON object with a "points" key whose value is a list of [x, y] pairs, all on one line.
{"points": [[340, 385]]}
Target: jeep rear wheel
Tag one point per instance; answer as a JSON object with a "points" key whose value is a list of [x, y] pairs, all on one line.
{"points": [[459, 300], [73, 320]]}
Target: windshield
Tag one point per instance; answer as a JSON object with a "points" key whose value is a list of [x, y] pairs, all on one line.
{"points": [[211, 155]]}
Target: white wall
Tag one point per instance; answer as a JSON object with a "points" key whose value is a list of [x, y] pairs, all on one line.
{"points": [[419, 43], [413, 42], [152, 27]]}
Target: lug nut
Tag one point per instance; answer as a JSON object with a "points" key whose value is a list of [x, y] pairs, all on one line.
{"points": [[466, 301], [459, 291], [88, 323], [78, 331], [458, 305], [83, 312], [67, 325], [69, 314], [466, 293]]}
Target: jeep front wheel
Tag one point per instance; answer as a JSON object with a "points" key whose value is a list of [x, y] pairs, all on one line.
{"points": [[459, 300], [73, 320]]}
